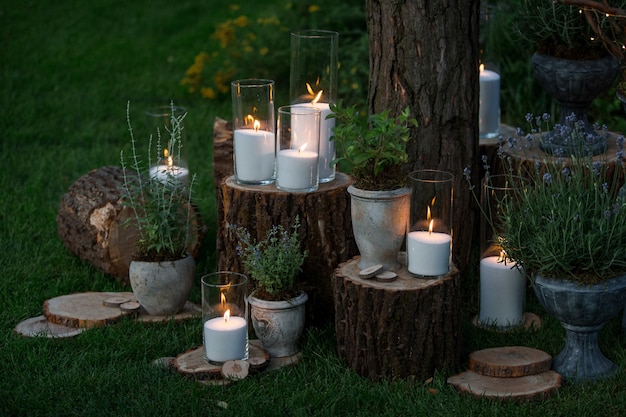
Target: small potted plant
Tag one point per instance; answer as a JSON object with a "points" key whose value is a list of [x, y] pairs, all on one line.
{"points": [[375, 151], [568, 232], [162, 271], [277, 304]]}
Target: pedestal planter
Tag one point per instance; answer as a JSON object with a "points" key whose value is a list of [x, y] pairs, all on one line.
{"points": [[162, 288], [582, 311], [379, 222], [278, 324]]}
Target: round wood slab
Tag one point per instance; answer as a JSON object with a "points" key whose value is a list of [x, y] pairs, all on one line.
{"points": [[40, 327], [509, 361]]}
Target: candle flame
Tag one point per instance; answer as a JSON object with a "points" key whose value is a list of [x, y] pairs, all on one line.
{"points": [[249, 119], [227, 315], [222, 299], [430, 226], [428, 213], [169, 161], [257, 125], [482, 67], [301, 148], [317, 97], [310, 90]]}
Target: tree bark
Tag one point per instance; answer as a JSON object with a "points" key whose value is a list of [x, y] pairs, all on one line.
{"points": [[424, 54]]}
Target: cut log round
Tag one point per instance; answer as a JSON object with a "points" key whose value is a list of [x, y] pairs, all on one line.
{"points": [[191, 364], [235, 369], [90, 223], [40, 327], [325, 231], [83, 310], [509, 361], [406, 328]]}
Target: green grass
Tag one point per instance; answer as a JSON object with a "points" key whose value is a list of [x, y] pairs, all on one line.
{"points": [[68, 69]]}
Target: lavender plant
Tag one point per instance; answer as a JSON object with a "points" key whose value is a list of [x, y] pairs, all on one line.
{"points": [[274, 262]]}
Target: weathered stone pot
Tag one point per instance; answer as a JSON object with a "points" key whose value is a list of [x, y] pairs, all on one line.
{"points": [[162, 288], [278, 324], [379, 223], [582, 311]]}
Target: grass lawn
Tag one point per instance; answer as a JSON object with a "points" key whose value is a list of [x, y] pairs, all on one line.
{"points": [[68, 69]]}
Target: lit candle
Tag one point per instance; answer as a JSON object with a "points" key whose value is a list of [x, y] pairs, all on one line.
{"points": [[296, 169], [502, 292], [254, 154], [225, 338], [166, 172], [489, 107], [428, 252]]}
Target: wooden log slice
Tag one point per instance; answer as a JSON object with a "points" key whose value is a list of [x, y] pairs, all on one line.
{"points": [[90, 223], [83, 310], [524, 388], [40, 327], [509, 361], [235, 370], [325, 231], [409, 327]]}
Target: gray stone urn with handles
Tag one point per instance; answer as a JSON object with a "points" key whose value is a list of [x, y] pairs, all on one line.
{"points": [[582, 311]]}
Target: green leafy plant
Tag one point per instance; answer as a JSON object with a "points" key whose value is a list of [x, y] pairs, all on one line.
{"points": [[162, 210], [375, 149], [570, 222], [274, 262]]}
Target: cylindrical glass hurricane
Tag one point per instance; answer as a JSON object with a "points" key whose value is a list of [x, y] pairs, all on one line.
{"points": [[165, 126], [224, 317], [298, 149], [253, 131], [502, 281], [429, 241], [313, 82]]}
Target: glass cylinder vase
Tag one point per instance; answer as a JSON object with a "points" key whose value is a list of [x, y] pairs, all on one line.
{"points": [[313, 82], [254, 141], [429, 241], [502, 281], [224, 317], [165, 127], [297, 139]]}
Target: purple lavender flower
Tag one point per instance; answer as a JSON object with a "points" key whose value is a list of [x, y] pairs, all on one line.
{"points": [[547, 178], [596, 166]]}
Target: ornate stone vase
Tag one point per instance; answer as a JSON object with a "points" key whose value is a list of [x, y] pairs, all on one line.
{"points": [[278, 324], [574, 85], [162, 288], [379, 222], [582, 311]]}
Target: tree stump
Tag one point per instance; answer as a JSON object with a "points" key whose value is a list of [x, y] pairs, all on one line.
{"points": [[90, 222], [406, 328], [325, 231], [222, 151]]}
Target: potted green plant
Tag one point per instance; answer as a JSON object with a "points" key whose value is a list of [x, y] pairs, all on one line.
{"points": [[162, 271], [374, 149], [568, 232], [277, 304]]}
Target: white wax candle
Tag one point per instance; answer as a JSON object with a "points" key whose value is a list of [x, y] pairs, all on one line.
{"points": [[254, 155], [502, 293], [166, 174], [225, 340], [326, 147], [296, 170], [428, 253], [489, 107]]}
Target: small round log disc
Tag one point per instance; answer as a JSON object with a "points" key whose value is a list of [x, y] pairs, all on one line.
{"points": [[386, 276], [130, 307], [191, 364], [190, 310], [509, 361], [115, 301], [83, 310], [370, 272], [235, 369], [40, 327]]}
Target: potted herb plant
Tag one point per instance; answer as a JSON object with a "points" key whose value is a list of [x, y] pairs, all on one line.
{"points": [[277, 304], [162, 271], [375, 151], [568, 232]]}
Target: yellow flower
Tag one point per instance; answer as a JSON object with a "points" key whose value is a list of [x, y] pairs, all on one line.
{"points": [[314, 8], [241, 21], [234, 7], [263, 51], [208, 92]]}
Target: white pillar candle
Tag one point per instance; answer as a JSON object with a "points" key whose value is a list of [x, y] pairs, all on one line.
{"points": [[489, 106], [166, 174], [502, 293], [225, 339], [254, 154], [428, 253], [327, 146], [296, 169]]}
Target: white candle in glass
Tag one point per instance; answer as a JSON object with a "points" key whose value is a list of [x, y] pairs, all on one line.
{"points": [[296, 169], [167, 174], [225, 338], [327, 147], [489, 105], [428, 252], [254, 154], [502, 292]]}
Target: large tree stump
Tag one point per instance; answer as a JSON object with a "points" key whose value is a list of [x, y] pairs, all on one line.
{"points": [[325, 231], [91, 218], [406, 328], [222, 151]]}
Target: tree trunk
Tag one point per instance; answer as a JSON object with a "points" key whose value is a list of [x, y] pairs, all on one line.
{"points": [[424, 54]]}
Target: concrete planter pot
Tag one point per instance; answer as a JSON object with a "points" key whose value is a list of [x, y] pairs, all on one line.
{"points": [[162, 288], [582, 311], [379, 222], [278, 324]]}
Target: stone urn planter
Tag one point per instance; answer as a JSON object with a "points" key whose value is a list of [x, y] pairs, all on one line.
{"points": [[574, 85], [162, 288], [582, 311], [379, 222], [278, 324]]}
